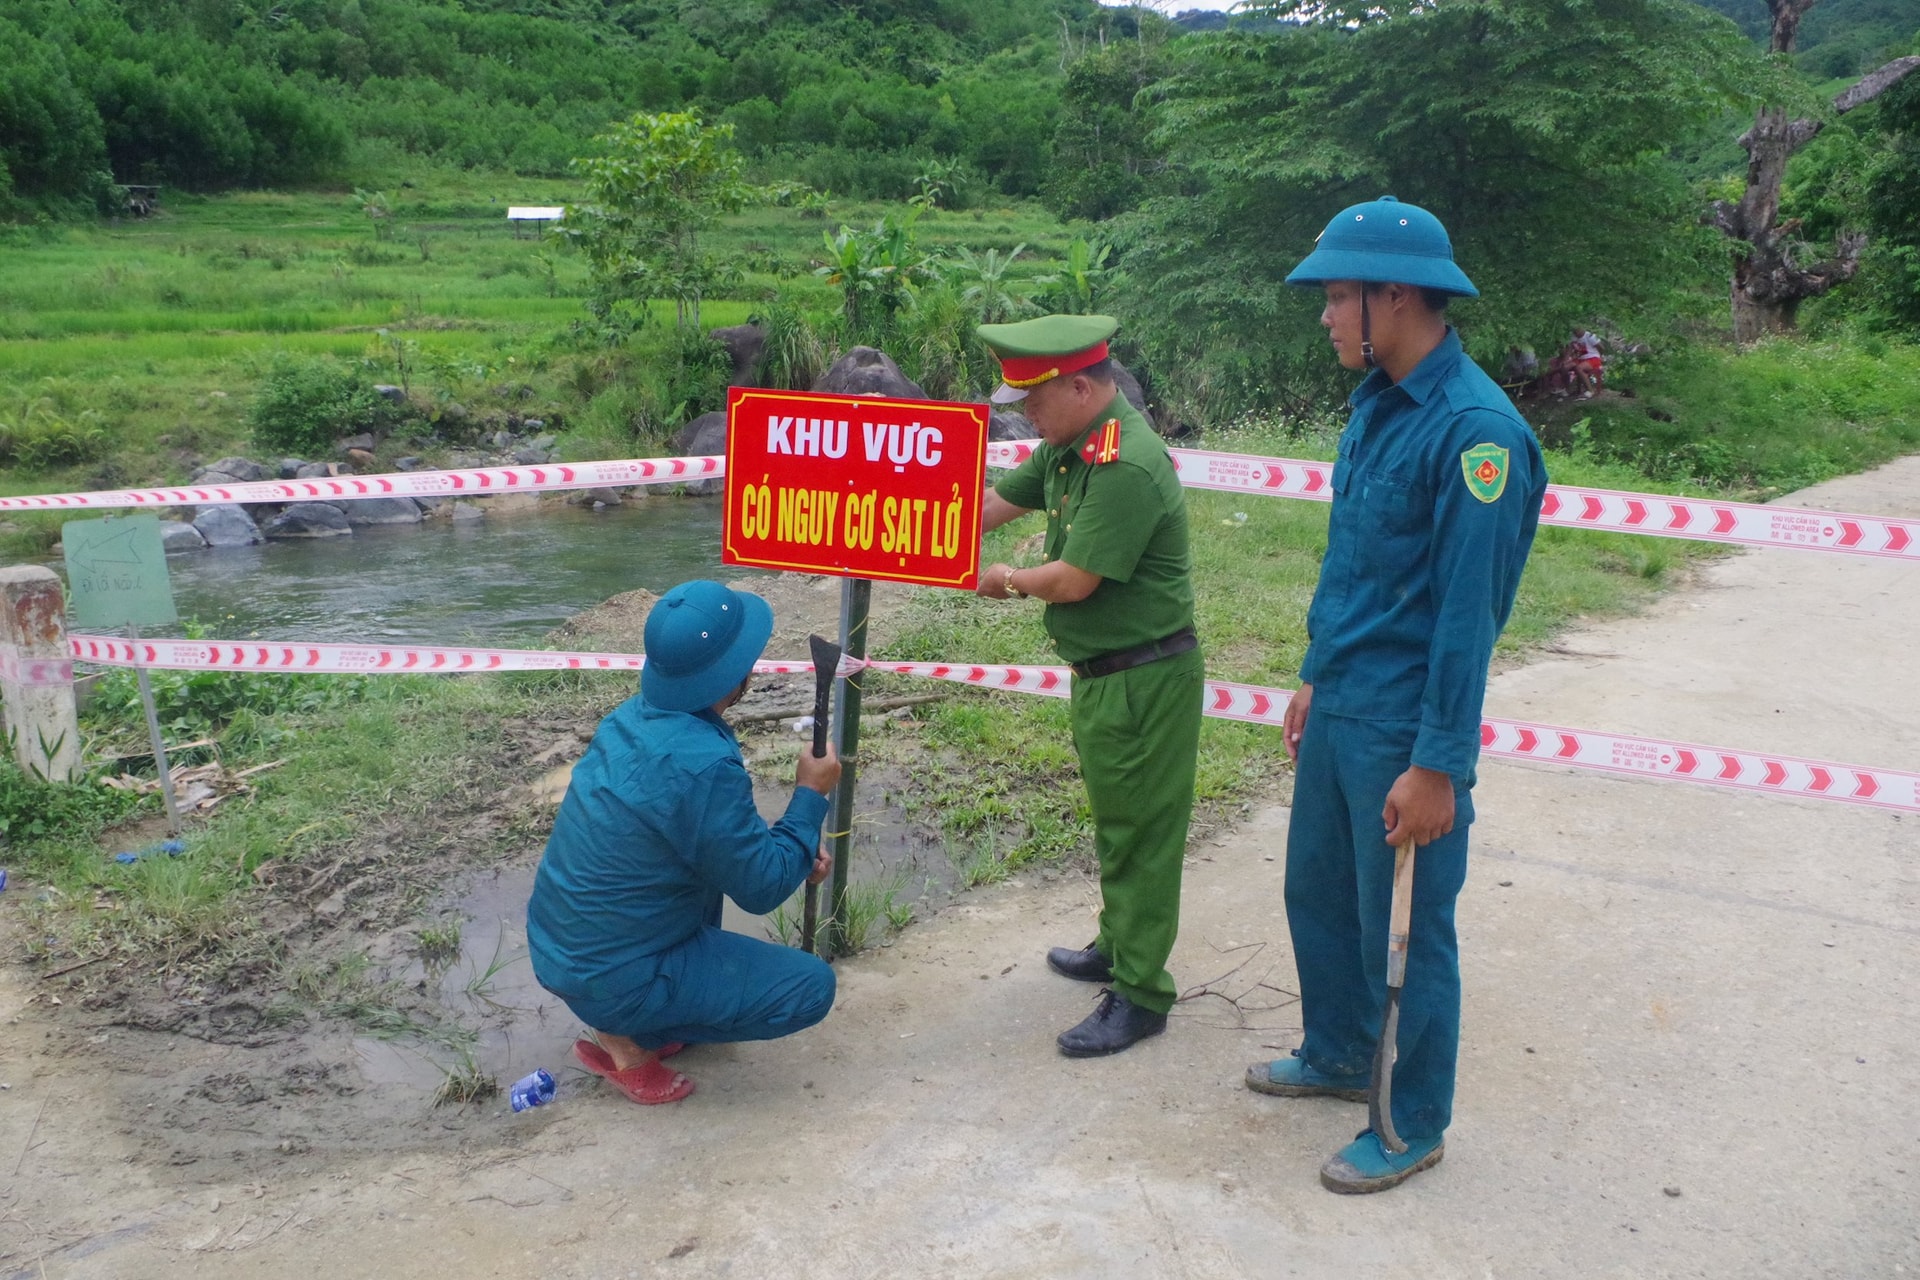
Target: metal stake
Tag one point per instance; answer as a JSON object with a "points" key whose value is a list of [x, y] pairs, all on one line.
{"points": [[153, 731], [856, 596]]}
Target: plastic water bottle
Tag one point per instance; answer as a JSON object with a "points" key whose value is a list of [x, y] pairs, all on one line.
{"points": [[533, 1091]]}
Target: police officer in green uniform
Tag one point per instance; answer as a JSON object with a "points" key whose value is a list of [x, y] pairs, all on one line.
{"points": [[1436, 495], [1118, 588]]}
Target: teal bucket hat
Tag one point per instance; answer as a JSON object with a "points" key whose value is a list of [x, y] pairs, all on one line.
{"points": [[1384, 241], [702, 639]]}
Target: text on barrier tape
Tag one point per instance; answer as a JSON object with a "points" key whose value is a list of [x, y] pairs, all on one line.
{"points": [[1503, 739], [1746, 524]]}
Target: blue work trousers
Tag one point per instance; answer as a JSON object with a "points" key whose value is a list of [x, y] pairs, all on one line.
{"points": [[715, 988], [1339, 896]]}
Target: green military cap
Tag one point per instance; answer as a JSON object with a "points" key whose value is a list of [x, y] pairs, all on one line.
{"points": [[1033, 351]]}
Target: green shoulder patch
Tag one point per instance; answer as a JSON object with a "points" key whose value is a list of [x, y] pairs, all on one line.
{"points": [[1485, 467]]}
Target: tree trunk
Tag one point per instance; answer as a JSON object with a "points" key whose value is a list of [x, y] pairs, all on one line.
{"points": [[1768, 285]]}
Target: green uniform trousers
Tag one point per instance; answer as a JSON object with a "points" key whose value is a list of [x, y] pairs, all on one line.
{"points": [[1138, 735]]}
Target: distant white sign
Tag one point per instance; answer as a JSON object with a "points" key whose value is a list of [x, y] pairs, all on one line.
{"points": [[535, 213]]}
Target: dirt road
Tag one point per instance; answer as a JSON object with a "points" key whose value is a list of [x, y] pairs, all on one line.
{"points": [[1690, 1048]]}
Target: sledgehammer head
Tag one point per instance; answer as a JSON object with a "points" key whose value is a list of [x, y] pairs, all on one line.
{"points": [[826, 657]]}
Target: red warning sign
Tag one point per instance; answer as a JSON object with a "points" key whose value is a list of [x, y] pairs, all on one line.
{"points": [[858, 487]]}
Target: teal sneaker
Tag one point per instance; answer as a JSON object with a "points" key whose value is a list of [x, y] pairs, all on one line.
{"points": [[1363, 1165], [1293, 1078]]}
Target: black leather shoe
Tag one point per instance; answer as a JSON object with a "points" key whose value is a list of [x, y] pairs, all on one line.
{"points": [[1085, 965], [1115, 1023]]}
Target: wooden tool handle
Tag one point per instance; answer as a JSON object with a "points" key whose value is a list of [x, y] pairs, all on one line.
{"points": [[1402, 918]]}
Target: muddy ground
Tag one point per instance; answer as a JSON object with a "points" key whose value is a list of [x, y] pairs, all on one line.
{"points": [[296, 1054], [1688, 1046]]}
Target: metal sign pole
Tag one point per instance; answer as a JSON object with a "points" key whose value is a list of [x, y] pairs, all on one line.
{"points": [[153, 731], [856, 596]]}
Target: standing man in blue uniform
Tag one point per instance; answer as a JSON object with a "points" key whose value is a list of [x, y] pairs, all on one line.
{"points": [[657, 824], [1436, 495]]}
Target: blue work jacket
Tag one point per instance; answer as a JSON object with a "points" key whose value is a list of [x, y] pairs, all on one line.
{"points": [[1436, 496], [657, 824]]}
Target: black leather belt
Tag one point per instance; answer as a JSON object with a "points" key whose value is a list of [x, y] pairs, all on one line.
{"points": [[1140, 655]]}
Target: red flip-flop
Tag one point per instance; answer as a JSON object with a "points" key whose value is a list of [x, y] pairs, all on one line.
{"points": [[649, 1085], [596, 1059]]}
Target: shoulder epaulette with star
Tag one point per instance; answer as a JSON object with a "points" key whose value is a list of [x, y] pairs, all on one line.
{"points": [[1103, 443]]}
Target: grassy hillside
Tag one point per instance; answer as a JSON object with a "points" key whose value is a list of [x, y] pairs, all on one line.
{"points": [[856, 96]]}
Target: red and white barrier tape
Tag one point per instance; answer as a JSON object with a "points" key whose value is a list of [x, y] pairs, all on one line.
{"points": [[482, 482], [1225, 700], [33, 673], [353, 659], [1745, 524]]}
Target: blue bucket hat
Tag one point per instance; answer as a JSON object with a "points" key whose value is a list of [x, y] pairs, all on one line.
{"points": [[1385, 242], [702, 639]]}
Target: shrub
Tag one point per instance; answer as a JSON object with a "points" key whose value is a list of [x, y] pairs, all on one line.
{"points": [[38, 436], [306, 404], [32, 810]]}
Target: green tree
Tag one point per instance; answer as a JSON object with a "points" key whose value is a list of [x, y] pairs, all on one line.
{"points": [[662, 181], [1539, 134], [985, 287], [876, 272]]}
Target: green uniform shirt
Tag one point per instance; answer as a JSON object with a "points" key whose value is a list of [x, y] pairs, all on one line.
{"points": [[1125, 520]]}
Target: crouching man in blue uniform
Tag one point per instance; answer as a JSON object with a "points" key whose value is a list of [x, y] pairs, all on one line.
{"points": [[1436, 495], [658, 823]]}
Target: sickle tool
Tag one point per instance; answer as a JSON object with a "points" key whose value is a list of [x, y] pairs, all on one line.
{"points": [[826, 658], [1380, 1088]]}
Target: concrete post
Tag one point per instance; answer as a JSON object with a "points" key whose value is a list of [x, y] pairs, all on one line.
{"points": [[37, 710]]}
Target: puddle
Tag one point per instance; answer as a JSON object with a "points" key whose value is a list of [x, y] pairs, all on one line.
{"points": [[490, 988]]}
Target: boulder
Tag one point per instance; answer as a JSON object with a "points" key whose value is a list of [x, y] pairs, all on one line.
{"points": [[226, 525], [540, 442], [383, 511], [363, 441], [178, 535], [243, 469], [290, 468], [210, 477], [705, 435], [361, 458], [408, 463], [529, 457], [1010, 425], [865, 371], [1130, 387], [314, 471], [502, 439], [745, 344], [308, 520], [468, 511], [453, 411], [595, 498], [536, 424]]}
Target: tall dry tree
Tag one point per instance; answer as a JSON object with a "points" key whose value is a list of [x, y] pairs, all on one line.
{"points": [[1769, 283]]}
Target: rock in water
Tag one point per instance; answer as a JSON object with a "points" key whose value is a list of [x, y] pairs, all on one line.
{"points": [[865, 371], [308, 520], [226, 525], [178, 535], [383, 511]]}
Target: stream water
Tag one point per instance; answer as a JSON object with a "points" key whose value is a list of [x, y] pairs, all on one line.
{"points": [[499, 581]]}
